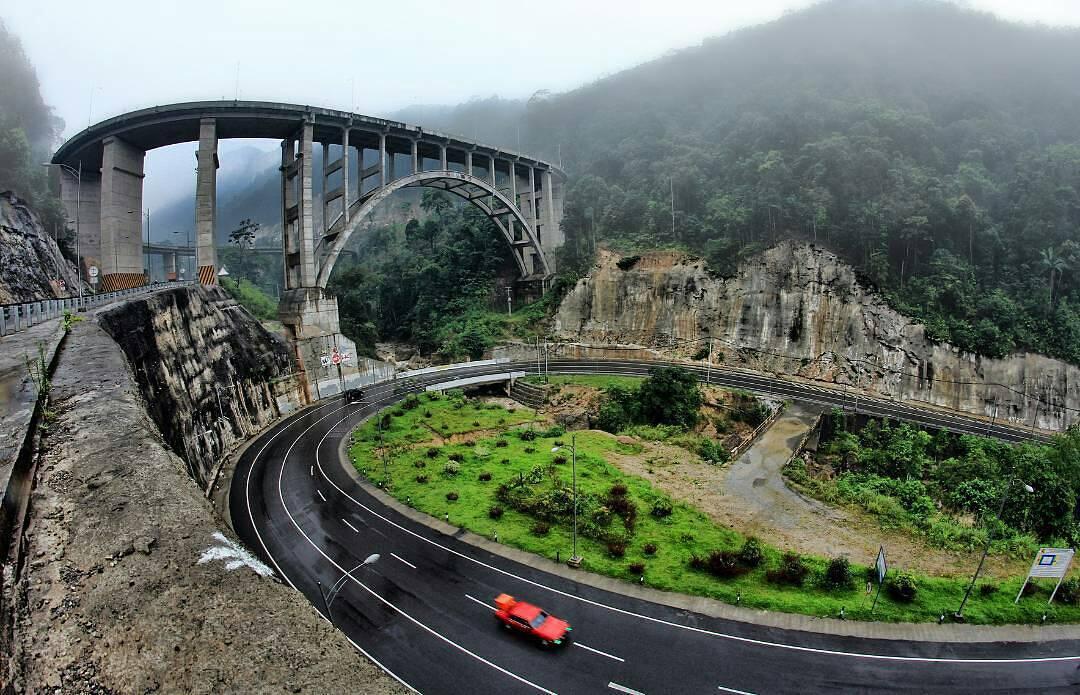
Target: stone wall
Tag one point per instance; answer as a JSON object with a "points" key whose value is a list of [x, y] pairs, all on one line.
{"points": [[30, 260], [799, 309], [210, 374]]}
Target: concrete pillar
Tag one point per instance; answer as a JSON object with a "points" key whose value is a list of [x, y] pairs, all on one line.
{"points": [[468, 162], [170, 266], [551, 212], [325, 185], [415, 157], [442, 157], [492, 172], [533, 219], [390, 176], [382, 159], [121, 215], [82, 208], [288, 244], [513, 185], [206, 202], [345, 182], [306, 222]]}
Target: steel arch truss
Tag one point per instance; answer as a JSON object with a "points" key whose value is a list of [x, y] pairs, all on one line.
{"points": [[513, 224]]}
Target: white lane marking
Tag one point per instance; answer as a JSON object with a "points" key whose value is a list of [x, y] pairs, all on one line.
{"points": [[401, 559], [377, 663], [312, 471], [365, 587], [623, 689], [321, 495], [346, 522], [733, 690], [597, 651], [690, 628], [491, 608]]}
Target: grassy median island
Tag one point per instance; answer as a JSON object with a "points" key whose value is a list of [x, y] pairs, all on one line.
{"points": [[491, 468]]}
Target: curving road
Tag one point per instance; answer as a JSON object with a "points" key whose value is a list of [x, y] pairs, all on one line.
{"points": [[422, 610]]}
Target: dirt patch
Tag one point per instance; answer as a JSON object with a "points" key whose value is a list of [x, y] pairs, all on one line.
{"points": [[751, 496]]}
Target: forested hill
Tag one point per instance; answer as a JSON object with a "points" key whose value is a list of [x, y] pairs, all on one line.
{"points": [[936, 148]]}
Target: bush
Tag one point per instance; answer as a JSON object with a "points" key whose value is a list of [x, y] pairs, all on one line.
{"points": [[554, 432], [475, 423], [751, 554], [432, 452], [724, 564], [792, 570], [456, 456], [501, 443], [527, 435], [649, 548], [713, 451], [617, 490], [661, 508], [451, 496], [838, 574], [468, 443], [484, 476], [541, 528], [451, 468], [901, 587], [989, 589], [504, 461], [559, 460], [530, 450], [421, 479], [701, 354], [410, 402], [398, 412], [495, 512], [1069, 592], [427, 413], [637, 568], [420, 464], [616, 548]]}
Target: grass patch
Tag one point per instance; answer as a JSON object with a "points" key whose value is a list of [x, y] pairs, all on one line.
{"points": [[658, 546], [597, 381]]}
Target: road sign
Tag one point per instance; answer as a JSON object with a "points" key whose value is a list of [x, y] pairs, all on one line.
{"points": [[93, 272], [335, 357], [1049, 562], [325, 359], [882, 568]]}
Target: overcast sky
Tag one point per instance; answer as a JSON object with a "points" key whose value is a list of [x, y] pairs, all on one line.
{"points": [[96, 59]]}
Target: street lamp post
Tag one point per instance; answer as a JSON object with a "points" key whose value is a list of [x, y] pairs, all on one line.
{"points": [[959, 615], [77, 173], [575, 560], [329, 596]]}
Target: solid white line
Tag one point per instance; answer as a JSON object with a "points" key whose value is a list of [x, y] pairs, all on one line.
{"points": [[690, 628], [312, 472], [401, 559], [321, 495], [490, 608], [597, 651], [623, 689], [345, 521], [379, 664], [733, 690], [365, 587]]}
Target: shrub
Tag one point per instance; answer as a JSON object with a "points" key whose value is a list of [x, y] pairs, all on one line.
{"points": [[451, 468], [541, 528], [432, 452], [484, 476], [838, 574], [989, 589], [792, 570], [724, 564], [616, 548], [527, 435], [713, 451], [475, 423], [553, 432], [661, 508], [559, 460], [751, 554], [504, 461], [636, 568], [901, 587], [495, 512], [701, 354], [456, 456], [558, 442], [421, 479], [427, 413], [501, 443], [451, 496], [410, 402], [469, 443], [530, 450], [617, 490], [398, 412], [420, 464], [1069, 592]]}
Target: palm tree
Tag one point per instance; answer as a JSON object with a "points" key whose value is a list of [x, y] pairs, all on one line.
{"points": [[1055, 264]]}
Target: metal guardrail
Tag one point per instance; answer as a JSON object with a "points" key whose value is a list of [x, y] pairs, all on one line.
{"points": [[19, 317]]}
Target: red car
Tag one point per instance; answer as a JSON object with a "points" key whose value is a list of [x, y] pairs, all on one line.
{"points": [[530, 620]]}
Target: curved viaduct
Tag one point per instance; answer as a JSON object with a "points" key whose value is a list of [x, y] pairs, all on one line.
{"points": [[365, 160]]}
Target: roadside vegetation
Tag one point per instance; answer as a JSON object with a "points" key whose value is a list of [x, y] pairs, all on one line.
{"points": [[502, 472], [946, 487]]}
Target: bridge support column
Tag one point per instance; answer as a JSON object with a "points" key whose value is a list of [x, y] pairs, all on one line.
{"points": [[121, 215], [551, 212], [206, 203], [170, 266], [82, 208], [298, 227]]}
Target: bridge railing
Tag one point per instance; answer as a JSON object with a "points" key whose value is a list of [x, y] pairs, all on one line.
{"points": [[19, 317]]}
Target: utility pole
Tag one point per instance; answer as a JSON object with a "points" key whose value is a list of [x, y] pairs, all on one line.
{"points": [[509, 300], [708, 367], [672, 180]]}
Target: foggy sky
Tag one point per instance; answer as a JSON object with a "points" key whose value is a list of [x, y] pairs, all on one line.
{"points": [[98, 59]]}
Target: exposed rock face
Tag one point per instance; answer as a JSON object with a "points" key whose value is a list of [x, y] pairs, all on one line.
{"points": [[210, 374], [799, 309], [30, 261]]}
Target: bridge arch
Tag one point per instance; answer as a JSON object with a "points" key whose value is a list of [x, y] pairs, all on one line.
{"points": [[480, 192]]}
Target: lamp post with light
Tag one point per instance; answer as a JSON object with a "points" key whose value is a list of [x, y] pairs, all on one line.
{"points": [[575, 560]]}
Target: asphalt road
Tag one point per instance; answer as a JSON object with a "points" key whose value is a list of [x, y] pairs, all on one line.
{"points": [[423, 610]]}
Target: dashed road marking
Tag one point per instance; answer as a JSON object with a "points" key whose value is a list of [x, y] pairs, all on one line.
{"points": [[623, 689], [733, 690], [344, 521], [312, 472], [321, 495], [491, 608], [401, 559], [597, 651]]}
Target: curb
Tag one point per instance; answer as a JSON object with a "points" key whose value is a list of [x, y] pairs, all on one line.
{"points": [[915, 632]]}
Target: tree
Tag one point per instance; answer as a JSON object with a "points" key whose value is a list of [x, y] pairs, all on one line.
{"points": [[1055, 264], [670, 396], [244, 238]]}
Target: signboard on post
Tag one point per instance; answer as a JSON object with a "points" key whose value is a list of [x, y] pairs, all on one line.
{"points": [[1049, 562], [882, 570]]}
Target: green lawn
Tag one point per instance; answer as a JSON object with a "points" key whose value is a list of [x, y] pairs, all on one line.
{"points": [[409, 435], [598, 381]]}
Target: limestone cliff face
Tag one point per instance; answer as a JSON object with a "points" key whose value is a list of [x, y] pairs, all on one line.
{"points": [[799, 309], [30, 261], [210, 374]]}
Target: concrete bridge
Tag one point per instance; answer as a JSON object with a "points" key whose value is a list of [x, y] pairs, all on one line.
{"points": [[364, 161]]}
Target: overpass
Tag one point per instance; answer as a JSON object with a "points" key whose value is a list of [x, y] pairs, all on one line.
{"points": [[365, 160]]}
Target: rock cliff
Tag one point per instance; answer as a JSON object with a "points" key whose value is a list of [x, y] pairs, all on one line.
{"points": [[211, 376], [31, 266], [799, 309]]}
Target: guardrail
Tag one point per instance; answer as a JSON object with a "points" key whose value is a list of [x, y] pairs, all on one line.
{"points": [[19, 317]]}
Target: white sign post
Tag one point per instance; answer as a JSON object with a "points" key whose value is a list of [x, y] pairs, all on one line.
{"points": [[882, 570], [1049, 562]]}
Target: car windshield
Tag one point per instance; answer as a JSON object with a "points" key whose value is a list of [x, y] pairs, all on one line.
{"points": [[539, 619]]}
